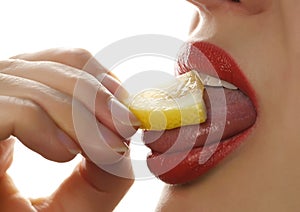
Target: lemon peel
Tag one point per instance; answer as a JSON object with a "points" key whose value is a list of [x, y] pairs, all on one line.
{"points": [[174, 104]]}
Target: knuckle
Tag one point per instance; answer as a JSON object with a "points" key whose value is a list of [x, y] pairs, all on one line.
{"points": [[79, 52], [24, 108], [9, 65], [77, 55]]}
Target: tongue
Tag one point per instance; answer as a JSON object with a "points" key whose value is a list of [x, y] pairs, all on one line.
{"points": [[229, 112]]}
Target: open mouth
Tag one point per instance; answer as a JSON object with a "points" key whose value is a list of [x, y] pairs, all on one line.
{"points": [[183, 154]]}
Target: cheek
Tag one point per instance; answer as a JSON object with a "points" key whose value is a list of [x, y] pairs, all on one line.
{"points": [[195, 22], [267, 74], [260, 50]]}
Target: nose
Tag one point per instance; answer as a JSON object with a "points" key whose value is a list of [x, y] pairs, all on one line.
{"points": [[206, 3], [250, 6]]}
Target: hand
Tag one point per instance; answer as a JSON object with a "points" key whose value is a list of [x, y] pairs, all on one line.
{"points": [[36, 101]]}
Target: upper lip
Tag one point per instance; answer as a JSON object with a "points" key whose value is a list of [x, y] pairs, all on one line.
{"points": [[209, 59]]}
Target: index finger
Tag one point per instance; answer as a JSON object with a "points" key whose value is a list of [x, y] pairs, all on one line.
{"points": [[79, 59], [75, 57]]}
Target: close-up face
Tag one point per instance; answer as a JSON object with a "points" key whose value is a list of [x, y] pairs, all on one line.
{"points": [[262, 39], [222, 135]]}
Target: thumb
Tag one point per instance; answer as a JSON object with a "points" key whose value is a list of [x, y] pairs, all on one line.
{"points": [[91, 188]]}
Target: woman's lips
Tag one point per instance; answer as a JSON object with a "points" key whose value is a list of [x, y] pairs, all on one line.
{"points": [[183, 154]]}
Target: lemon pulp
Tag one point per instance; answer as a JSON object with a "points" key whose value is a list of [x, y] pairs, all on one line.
{"points": [[174, 104]]}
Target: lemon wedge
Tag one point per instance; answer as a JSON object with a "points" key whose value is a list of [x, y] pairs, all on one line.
{"points": [[174, 104]]}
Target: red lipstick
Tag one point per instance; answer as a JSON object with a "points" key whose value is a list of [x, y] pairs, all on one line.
{"points": [[209, 59], [184, 154]]}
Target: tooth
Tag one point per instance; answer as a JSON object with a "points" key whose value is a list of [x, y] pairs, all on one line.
{"points": [[228, 85], [208, 80]]}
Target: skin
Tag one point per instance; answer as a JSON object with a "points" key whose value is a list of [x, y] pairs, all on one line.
{"points": [[263, 174], [47, 127]]}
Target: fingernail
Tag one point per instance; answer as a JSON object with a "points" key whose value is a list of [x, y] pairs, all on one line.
{"points": [[113, 140], [125, 131], [114, 86], [68, 142], [122, 150], [122, 113], [104, 147]]}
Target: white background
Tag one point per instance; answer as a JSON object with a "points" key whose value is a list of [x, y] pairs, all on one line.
{"points": [[33, 25]]}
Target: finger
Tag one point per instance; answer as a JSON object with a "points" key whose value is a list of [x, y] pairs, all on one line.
{"points": [[83, 86], [95, 139], [74, 57], [6, 154], [90, 188], [83, 60], [10, 198], [30, 124]]}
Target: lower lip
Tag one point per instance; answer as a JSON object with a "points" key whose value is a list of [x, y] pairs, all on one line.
{"points": [[184, 167]]}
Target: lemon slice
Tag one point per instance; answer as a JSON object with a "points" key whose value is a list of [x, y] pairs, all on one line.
{"points": [[174, 104]]}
